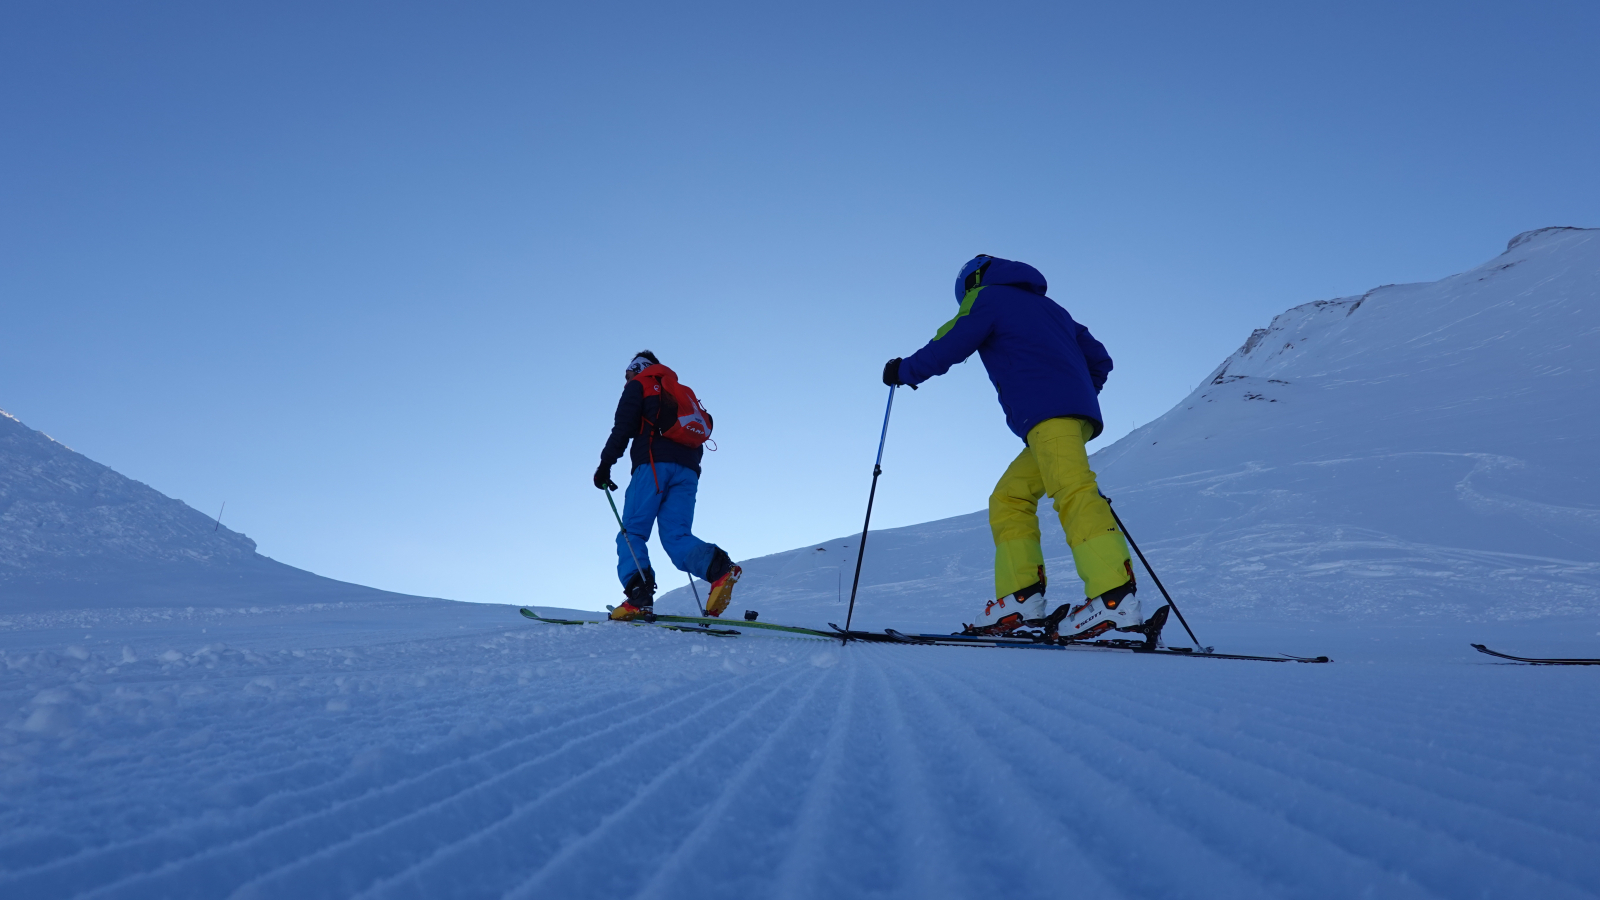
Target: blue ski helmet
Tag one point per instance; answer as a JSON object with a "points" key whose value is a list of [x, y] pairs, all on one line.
{"points": [[971, 275]]}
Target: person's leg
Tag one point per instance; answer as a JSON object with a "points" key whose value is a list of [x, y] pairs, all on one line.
{"points": [[1014, 522], [689, 553], [1098, 548], [679, 485], [639, 509]]}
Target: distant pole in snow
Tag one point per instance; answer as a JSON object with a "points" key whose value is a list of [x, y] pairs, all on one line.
{"points": [[1153, 576], [877, 469], [218, 526]]}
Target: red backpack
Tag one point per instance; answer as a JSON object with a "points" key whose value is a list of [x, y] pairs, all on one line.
{"points": [[680, 418]]}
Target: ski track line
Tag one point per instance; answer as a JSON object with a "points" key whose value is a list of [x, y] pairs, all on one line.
{"points": [[383, 818], [1222, 837], [1551, 848], [290, 837], [575, 876], [451, 825], [1115, 817], [1426, 773], [925, 846], [979, 789], [210, 759], [1488, 831], [992, 792], [208, 822], [677, 870], [1382, 697], [217, 758], [759, 844], [804, 853], [595, 790], [859, 845], [1224, 771], [1433, 859], [1462, 785]]}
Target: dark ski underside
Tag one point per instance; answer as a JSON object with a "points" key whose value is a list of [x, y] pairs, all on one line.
{"points": [[1538, 661]]}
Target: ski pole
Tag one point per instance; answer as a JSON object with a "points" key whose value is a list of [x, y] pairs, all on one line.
{"points": [[625, 539], [629, 542], [696, 590], [1153, 576], [861, 551]]}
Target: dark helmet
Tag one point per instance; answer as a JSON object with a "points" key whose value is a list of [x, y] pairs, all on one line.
{"points": [[971, 275]]}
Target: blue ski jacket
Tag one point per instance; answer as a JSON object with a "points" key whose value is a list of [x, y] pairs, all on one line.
{"points": [[1042, 363]]}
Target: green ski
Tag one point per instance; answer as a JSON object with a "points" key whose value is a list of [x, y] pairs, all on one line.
{"points": [[719, 632], [793, 629]]}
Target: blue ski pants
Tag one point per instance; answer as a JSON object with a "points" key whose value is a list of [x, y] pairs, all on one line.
{"points": [[667, 498]]}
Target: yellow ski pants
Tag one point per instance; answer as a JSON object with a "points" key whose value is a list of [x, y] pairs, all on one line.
{"points": [[1055, 463]]}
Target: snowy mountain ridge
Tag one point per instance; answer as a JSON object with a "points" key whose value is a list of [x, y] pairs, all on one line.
{"points": [[1415, 452], [58, 506], [76, 534]]}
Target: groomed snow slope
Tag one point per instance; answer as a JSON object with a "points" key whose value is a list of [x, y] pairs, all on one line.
{"points": [[465, 752], [406, 748], [1419, 452]]}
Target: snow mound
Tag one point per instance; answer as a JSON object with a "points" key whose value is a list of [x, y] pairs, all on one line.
{"points": [[75, 533], [1419, 451], [58, 507]]}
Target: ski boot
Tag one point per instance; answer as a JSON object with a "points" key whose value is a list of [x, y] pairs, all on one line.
{"points": [[722, 587], [641, 602], [1006, 615], [1114, 610]]}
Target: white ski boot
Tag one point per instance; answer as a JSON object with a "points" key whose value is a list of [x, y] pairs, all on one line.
{"points": [[1115, 610], [1004, 615]]}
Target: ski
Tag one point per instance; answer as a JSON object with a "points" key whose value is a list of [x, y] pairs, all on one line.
{"points": [[1122, 646], [1187, 652], [871, 637], [1537, 661], [719, 632], [707, 620], [699, 625], [957, 638]]}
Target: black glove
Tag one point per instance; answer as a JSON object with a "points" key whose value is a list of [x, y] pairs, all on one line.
{"points": [[602, 478], [891, 372]]}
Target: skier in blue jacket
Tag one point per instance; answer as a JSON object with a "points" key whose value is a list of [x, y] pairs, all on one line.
{"points": [[1048, 371]]}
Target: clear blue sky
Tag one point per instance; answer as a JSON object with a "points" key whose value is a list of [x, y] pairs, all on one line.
{"points": [[370, 272]]}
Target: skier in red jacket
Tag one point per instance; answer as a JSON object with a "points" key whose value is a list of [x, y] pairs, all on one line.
{"points": [[664, 492]]}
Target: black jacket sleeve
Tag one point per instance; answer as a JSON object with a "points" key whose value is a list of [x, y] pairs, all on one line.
{"points": [[629, 410]]}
